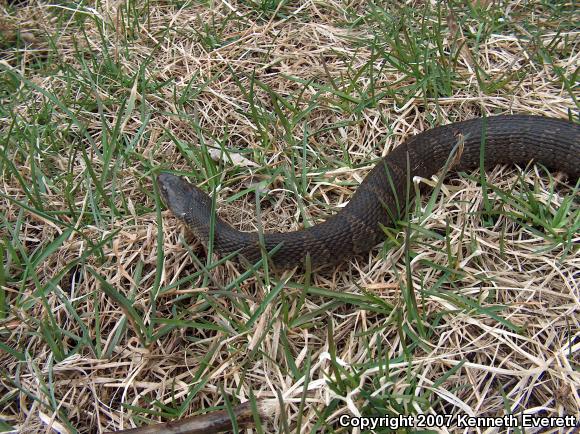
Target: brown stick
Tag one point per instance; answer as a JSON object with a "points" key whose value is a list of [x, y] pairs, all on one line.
{"points": [[209, 423]]}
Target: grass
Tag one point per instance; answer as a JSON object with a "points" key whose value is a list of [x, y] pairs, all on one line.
{"points": [[113, 316]]}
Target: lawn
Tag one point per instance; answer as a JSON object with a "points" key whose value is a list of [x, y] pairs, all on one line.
{"points": [[112, 315]]}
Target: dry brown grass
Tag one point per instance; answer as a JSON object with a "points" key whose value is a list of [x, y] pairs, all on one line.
{"points": [[503, 268]]}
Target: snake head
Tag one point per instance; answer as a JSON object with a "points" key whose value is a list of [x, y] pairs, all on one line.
{"points": [[183, 198]]}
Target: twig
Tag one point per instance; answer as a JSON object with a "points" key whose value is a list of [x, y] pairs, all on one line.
{"points": [[209, 423]]}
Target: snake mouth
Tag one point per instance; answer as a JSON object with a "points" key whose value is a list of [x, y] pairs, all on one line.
{"points": [[174, 192], [164, 181], [181, 197]]}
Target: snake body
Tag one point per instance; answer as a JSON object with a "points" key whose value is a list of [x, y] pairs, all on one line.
{"points": [[356, 228]]}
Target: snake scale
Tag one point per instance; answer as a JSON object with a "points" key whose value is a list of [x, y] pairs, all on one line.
{"points": [[356, 228]]}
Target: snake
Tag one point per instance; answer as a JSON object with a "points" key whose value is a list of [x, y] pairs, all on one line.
{"points": [[383, 195]]}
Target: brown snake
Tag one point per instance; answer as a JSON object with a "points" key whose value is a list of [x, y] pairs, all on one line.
{"points": [[356, 228]]}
